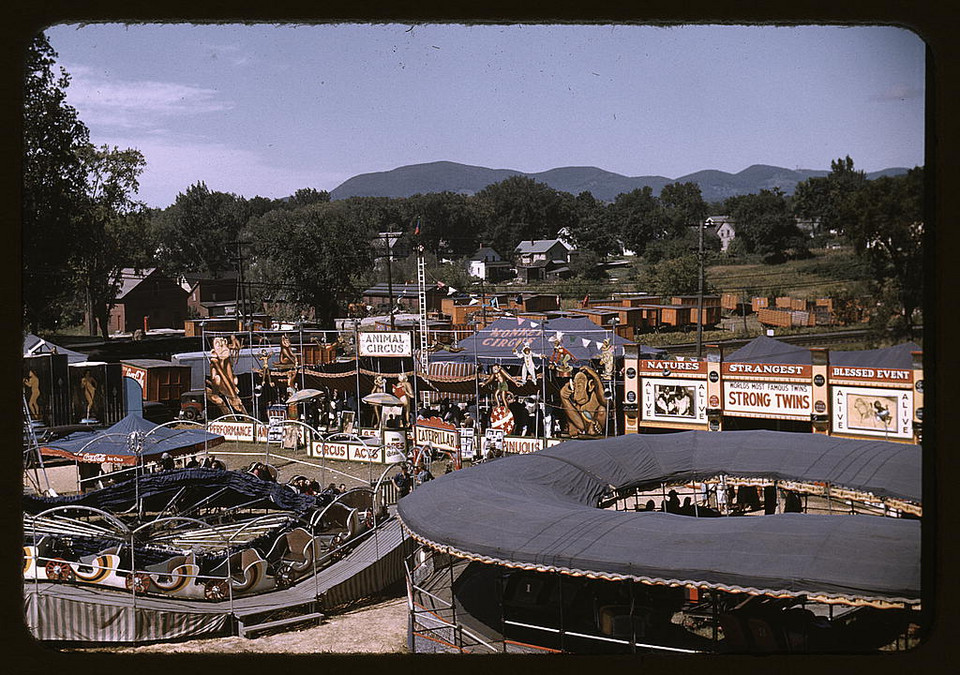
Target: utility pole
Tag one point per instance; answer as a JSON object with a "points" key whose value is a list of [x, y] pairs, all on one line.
{"points": [[700, 294], [241, 283]]}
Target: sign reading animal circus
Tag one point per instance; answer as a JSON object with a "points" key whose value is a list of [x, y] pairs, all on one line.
{"points": [[385, 343]]}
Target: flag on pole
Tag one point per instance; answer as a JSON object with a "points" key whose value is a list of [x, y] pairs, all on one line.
{"points": [[416, 231], [585, 301]]}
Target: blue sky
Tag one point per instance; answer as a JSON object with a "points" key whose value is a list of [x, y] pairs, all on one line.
{"points": [[266, 110]]}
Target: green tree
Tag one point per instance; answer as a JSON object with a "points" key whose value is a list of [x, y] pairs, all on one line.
{"points": [[198, 232], [588, 265], [54, 185], [306, 196], [449, 224], [113, 229], [314, 256], [887, 231], [520, 208], [683, 207], [593, 230], [639, 218], [673, 276], [766, 227], [824, 200]]}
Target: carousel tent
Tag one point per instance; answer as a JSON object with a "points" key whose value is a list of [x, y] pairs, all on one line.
{"points": [[495, 343], [539, 512], [113, 444]]}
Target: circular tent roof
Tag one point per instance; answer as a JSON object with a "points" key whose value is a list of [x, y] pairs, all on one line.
{"points": [[538, 511]]}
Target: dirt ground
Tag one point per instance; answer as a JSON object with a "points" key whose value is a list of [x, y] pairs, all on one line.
{"points": [[380, 628]]}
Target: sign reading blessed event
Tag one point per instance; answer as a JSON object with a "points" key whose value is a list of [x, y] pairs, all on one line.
{"points": [[385, 343]]}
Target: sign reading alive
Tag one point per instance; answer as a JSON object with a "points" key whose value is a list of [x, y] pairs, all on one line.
{"points": [[385, 343], [674, 400], [869, 411], [768, 399]]}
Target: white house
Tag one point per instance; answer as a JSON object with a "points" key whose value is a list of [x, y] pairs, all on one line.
{"points": [[488, 265], [723, 227]]}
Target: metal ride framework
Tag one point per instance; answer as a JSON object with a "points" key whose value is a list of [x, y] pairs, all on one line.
{"points": [[249, 586]]}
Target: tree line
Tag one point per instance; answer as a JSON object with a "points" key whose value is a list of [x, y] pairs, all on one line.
{"points": [[83, 224]]}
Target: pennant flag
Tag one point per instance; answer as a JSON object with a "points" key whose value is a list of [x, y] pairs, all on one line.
{"points": [[451, 290], [585, 342], [440, 284], [416, 232], [474, 300], [586, 299], [599, 345], [533, 324], [494, 302], [519, 321]]}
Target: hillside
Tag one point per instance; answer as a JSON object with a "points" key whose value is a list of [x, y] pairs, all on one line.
{"points": [[715, 185]]}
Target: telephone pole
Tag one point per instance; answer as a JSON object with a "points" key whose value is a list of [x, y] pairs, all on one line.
{"points": [[700, 294]]}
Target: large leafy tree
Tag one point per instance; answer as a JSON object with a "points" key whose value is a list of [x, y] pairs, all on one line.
{"points": [[672, 276], [449, 225], [683, 207], [886, 228], [592, 230], [312, 256], [765, 226], [520, 208], [199, 231], [113, 229], [825, 200], [639, 218], [54, 188]]}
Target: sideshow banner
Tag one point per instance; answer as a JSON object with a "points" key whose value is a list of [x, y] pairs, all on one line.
{"points": [[436, 433], [468, 448], [240, 431], [385, 343], [492, 440], [347, 451], [521, 445], [394, 445], [674, 400], [869, 411], [767, 399]]}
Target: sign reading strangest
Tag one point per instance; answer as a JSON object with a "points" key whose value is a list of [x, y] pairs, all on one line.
{"points": [[385, 343]]}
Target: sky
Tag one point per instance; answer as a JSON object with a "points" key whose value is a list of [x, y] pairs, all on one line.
{"points": [[269, 109]]}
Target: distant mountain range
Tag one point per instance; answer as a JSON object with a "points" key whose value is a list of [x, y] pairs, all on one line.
{"points": [[715, 186]]}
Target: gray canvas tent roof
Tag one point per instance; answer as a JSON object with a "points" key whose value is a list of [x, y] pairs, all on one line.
{"points": [[496, 342], [113, 444], [34, 345], [538, 511], [769, 350]]}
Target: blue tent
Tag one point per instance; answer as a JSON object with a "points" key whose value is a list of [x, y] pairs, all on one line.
{"points": [[496, 343], [114, 444]]}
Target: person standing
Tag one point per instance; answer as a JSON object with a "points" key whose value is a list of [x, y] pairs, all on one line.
{"points": [[404, 482]]}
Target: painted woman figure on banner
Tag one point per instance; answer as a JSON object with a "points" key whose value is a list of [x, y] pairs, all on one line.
{"points": [[526, 356], [606, 359], [222, 385], [561, 357], [500, 416], [403, 391]]}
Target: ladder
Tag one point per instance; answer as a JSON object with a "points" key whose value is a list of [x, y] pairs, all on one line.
{"points": [[422, 302], [32, 446]]}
